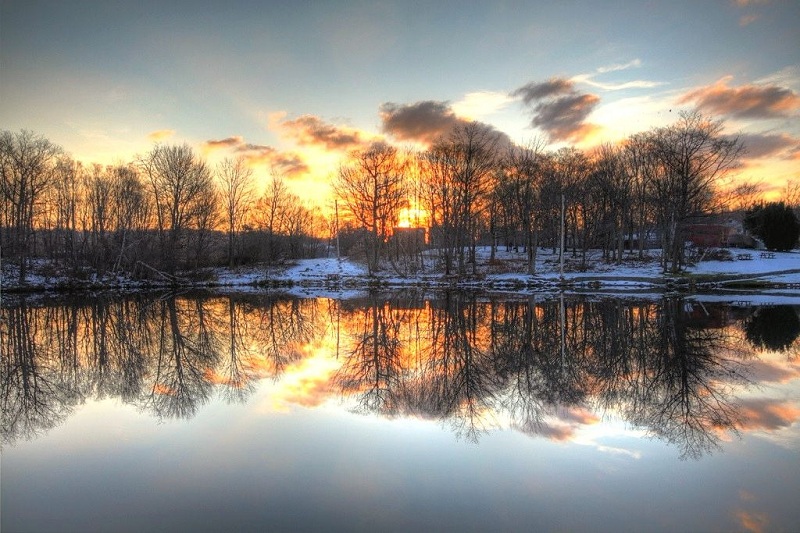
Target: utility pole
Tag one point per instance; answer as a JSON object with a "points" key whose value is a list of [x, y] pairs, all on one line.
{"points": [[563, 229], [336, 224]]}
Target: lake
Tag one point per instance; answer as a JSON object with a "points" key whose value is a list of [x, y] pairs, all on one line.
{"points": [[394, 412]]}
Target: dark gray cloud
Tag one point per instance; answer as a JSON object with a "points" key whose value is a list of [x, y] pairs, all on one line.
{"points": [[312, 130], [534, 91], [559, 109], [229, 142], [428, 121], [746, 101], [423, 121]]}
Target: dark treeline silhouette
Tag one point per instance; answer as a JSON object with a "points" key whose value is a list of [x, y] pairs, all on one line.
{"points": [[164, 212], [668, 367], [168, 210]]}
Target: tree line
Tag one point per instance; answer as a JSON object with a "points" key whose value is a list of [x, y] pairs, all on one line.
{"points": [[474, 186], [168, 210]]}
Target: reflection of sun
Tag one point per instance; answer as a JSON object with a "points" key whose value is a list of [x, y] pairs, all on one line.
{"points": [[307, 382]]}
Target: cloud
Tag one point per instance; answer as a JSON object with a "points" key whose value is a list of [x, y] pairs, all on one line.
{"points": [[289, 163], [589, 79], [746, 101], [752, 521], [559, 109], [230, 142], [745, 3], [764, 145], [310, 130], [160, 135], [481, 103], [533, 91], [423, 121], [746, 20]]}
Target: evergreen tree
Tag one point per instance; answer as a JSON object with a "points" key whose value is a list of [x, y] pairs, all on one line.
{"points": [[775, 224]]}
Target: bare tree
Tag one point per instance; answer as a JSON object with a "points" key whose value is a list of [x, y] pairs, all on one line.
{"points": [[236, 180], [132, 213], [519, 191], [182, 186], [694, 155], [372, 191], [461, 168], [27, 162]]}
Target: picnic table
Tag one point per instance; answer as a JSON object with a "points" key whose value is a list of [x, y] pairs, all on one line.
{"points": [[744, 257], [767, 255]]}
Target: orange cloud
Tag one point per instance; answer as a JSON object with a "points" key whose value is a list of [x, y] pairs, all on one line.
{"points": [[160, 135], [310, 130], [291, 164], [746, 101]]}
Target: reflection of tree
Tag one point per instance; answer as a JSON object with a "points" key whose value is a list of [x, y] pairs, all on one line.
{"points": [[687, 395], [773, 328], [33, 398], [166, 355], [372, 366], [183, 361], [457, 358]]}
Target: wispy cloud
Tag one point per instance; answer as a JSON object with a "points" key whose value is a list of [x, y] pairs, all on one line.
{"points": [[289, 163], [559, 109], [589, 78], [754, 101]]}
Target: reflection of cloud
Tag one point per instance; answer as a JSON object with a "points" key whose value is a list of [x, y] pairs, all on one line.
{"points": [[559, 109], [579, 415], [310, 130], [775, 372], [746, 101], [557, 433], [751, 520], [768, 415], [160, 135]]}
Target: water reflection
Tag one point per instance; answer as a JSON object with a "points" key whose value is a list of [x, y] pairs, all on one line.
{"points": [[672, 368]]}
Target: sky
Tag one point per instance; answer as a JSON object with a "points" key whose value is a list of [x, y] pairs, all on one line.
{"points": [[295, 86]]}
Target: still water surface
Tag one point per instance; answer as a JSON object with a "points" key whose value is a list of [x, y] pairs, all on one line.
{"points": [[399, 412]]}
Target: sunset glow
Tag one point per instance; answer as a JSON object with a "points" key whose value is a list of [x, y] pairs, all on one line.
{"points": [[297, 90]]}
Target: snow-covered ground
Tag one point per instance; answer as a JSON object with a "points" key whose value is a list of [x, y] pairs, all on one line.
{"points": [[506, 272]]}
